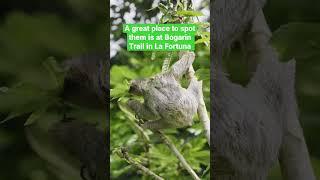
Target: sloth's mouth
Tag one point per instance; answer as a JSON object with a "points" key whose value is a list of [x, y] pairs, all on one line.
{"points": [[134, 90], [131, 89]]}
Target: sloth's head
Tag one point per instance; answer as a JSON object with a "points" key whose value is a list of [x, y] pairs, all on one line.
{"points": [[138, 86]]}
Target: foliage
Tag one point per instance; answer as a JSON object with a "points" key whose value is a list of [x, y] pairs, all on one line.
{"points": [[182, 12], [145, 147], [34, 42], [191, 142]]}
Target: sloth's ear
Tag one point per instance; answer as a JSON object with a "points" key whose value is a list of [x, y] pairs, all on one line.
{"points": [[179, 68]]}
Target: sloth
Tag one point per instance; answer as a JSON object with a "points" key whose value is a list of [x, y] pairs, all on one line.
{"points": [[166, 103]]}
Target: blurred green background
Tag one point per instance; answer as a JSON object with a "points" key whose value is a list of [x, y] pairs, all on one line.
{"points": [[30, 33], [125, 66]]}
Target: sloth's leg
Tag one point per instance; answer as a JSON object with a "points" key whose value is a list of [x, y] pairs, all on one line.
{"points": [[181, 67], [141, 110], [156, 125]]}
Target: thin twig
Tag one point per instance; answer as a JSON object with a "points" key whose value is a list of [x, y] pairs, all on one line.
{"points": [[138, 129], [175, 151], [202, 110], [122, 153]]}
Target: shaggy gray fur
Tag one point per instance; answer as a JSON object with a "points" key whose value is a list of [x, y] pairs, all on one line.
{"points": [[248, 123], [230, 19], [166, 103], [253, 126]]}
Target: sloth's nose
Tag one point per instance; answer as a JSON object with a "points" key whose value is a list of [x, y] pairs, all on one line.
{"points": [[131, 89]]}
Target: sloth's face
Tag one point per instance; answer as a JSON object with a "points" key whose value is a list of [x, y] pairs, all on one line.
{"points": [[138, 86]]}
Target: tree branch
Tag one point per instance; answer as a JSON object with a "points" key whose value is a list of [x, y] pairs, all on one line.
{"points": [[132, 120], [175, 151], [202, 110], [122, 153]]}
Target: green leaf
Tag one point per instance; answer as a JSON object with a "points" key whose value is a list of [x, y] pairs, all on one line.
{"points": [[297, 40], [206, 34], [22, 96], [203, 74], [148, 71], [163, 8], [189, 13], [13, 115], [151, 9], [35, 116], [165, 19], [119, 73], [179, 5], [202, 40], [23, 99], [203, 24], [56, 72], [119, 90]]}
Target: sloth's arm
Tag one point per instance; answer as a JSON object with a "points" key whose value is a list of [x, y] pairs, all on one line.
{"points": [[141, 110], [181, 67], [156, 125]]}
